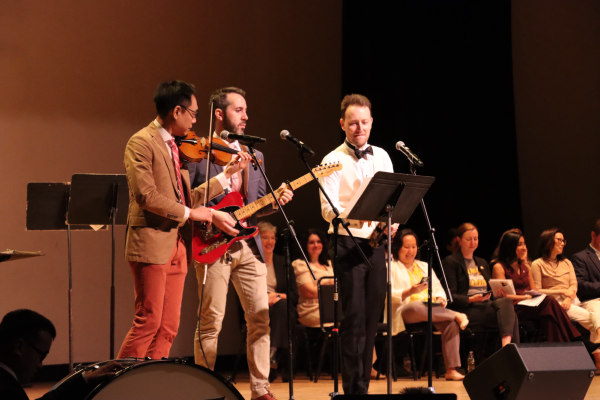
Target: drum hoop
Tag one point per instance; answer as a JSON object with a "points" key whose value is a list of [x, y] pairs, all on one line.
{"points": [[227, 383]]}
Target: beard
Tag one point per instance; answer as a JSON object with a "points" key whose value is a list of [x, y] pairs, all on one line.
{"points": [[228, 126]]}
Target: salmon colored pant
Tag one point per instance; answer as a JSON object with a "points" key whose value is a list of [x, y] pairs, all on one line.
{"points": [[158, 295]]}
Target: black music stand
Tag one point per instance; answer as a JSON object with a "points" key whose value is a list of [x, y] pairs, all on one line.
{"points": [[47, 206], [13, 255], [101, 200], [391, 198]]}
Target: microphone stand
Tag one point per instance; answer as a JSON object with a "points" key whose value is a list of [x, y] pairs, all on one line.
{"points": [[337, 221], [250, 145], [433, 249], [290, 310]]}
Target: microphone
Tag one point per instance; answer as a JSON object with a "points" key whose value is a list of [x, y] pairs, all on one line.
{"points": [[285, 135], [412, 157], [242, 138]]}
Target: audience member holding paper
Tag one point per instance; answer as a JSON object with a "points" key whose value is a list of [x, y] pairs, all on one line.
{"points": [[511, 262], [554, 275]]}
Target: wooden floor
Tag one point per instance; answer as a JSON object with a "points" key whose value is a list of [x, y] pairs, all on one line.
{"points": [[307, 390]]}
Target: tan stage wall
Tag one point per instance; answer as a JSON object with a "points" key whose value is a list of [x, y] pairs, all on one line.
{"points": [[556, 61], [77, 80]]}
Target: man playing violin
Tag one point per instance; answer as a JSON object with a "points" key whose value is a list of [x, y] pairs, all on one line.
{"points": [[243, 263], [161, 205]]}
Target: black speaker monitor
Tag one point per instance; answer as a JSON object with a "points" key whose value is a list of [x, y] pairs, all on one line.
{"points": [[532, 371]]}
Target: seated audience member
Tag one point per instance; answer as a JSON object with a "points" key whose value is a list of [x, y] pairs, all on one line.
{"points": [[409, 300], [587, 271], [511, 262], [25, 340], [554, 275], [276, 288], [316, 248], [451, 242], [468, 278]]}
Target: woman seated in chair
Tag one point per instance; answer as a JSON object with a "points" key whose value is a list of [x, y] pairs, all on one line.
{"points": [[554, 275], [409, 300], [468, 278], [316, 248], [511, 262], [276, 288]]}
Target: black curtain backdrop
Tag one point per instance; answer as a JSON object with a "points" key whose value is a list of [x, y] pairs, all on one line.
{"points": [[439, 76]]}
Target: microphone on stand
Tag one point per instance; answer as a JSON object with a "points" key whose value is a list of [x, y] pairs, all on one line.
{"points": [[242, 138], [412, 157], [285, 135]]}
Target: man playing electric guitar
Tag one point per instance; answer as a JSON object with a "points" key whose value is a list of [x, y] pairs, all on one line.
{"points": [[243, 262]]}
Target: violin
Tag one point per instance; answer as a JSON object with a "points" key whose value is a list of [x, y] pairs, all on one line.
{"points": [[195, 149]]}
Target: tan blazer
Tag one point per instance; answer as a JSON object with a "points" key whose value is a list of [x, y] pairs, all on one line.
{"points": [[155, 213]]}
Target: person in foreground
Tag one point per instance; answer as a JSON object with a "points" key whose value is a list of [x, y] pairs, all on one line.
{"points": [[278, 301], [468, 278], [25, 341], [410, 295], [587, 271], [159, 230], [511, 262], [362, 290]]}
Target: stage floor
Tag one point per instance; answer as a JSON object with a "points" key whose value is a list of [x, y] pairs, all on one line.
{"points": [[307, 390]]}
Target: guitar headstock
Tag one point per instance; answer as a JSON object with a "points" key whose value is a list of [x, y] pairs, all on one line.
{"points": [[327, 169]]}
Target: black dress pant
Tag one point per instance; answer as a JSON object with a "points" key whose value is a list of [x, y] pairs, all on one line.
{"points": [[278, 315], [363, 293], [498, 313]]}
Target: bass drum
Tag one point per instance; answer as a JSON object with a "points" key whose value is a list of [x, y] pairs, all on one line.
{"points": [[162, 380]]}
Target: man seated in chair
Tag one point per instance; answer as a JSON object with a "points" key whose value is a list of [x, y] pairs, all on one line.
{"points": [[587, 270]]}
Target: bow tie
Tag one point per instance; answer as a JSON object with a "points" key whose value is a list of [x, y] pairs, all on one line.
{"points": [[360, 153]]}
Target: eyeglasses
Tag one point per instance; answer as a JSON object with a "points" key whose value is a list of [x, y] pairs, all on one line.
{"points": [[42, 354], [194, 114], [563, 241]]}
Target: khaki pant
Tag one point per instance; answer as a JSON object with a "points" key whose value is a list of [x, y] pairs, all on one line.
{"points": [[443, 320], [249, 277], [588, 315]]}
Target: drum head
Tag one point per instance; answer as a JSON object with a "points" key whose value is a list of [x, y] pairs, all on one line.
{"points": [[154, 380]]}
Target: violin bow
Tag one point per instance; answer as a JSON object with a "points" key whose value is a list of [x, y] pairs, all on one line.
{"points": [[210, 141]]}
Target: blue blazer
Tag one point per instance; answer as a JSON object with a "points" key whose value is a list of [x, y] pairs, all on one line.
{"points": [[587, 271], [254, 187]]}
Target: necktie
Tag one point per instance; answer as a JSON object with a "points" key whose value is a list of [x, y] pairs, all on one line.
{"points": [[236, 179], [360, 153], [177, 165]]}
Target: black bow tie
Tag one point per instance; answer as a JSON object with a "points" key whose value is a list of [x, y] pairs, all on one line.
{"points": [[360, 153]]}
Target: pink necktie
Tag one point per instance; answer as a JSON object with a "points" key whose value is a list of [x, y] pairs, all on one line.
{"points": [[236, 179], [177, 164]]}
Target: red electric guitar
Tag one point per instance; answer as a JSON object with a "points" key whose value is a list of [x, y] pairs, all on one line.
{"points": [[210, 245]]}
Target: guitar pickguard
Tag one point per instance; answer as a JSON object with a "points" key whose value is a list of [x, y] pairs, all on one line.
{"points": [[209, 246]]}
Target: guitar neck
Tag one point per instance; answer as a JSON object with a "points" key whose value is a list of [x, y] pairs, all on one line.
{"points": [[264, 201]]}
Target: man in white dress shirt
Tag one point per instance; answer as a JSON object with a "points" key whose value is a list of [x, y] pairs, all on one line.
{"points": [[362, 290]]}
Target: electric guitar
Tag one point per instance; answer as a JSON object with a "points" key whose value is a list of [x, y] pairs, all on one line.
{"points": [[208, 245]]}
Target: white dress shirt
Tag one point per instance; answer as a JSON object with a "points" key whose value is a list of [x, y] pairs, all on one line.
{"points": [[595, 251], [341, 185]]}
